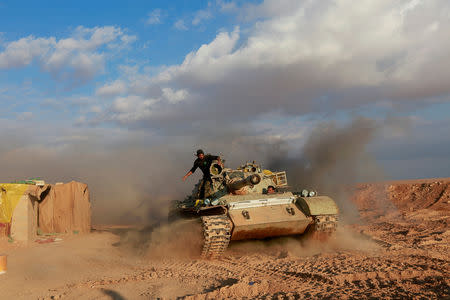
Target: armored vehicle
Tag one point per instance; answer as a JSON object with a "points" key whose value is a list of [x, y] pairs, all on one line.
{"points": [[251, 203]]}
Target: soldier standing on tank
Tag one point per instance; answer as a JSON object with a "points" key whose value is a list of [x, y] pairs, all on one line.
{"points": [[204, 163]]}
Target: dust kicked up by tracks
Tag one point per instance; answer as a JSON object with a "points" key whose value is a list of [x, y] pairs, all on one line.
{"points": [[354, 267]]}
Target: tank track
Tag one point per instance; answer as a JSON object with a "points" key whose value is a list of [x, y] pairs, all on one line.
{"points": [[324, 226], [217, 234]]}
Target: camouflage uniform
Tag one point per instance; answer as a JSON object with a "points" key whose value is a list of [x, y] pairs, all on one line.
{"points": [[204, 189]]}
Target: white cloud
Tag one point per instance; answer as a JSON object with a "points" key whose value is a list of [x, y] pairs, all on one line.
{"points": [[125, 40], [342, 46], [146, 96], [154, 17], [112, 89], [227, 7], [208, 54], [174, 96], [180, 25], [132, 109], [310, 57], [141, 106], [79, 57], [21, 52], [280, 8], [201, 16]]}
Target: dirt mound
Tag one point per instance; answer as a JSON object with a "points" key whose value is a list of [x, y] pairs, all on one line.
{"points": [[409, 195]]}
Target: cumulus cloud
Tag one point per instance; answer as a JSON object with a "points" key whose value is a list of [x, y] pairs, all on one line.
{"points": [[21, 52], [132, 108], [303, 57], [111, 89], [77, 58], [140, 108]]}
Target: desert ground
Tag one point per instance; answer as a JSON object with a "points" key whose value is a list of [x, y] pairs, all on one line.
{"points": [[396, 247]]}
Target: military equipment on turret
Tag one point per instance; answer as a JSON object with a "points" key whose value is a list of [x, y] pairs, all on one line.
{"points": [[239, 207]]}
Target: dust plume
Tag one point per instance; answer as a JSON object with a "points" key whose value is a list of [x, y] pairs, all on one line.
{"points": [[133, 177], [332, 160], [130, 182], [303, 245], [181, 239]]}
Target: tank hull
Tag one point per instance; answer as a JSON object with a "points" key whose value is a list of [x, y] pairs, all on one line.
{"points": [[268, 221]]}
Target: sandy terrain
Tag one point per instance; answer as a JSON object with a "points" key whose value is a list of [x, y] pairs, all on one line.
{"points": [[397, 249]]}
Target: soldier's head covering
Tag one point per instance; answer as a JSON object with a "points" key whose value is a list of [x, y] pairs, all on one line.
{"points": [[200, 151]]}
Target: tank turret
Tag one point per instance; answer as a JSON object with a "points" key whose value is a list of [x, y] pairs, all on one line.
{"points": [[238, 184]]}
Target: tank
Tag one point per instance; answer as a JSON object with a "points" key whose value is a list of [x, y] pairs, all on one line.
{"points": [[239, 206]]}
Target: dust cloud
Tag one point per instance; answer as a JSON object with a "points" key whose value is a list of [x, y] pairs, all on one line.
{"points": [[303, 245], [129, 182], [132, 180], [332, 160], [180, 239]]}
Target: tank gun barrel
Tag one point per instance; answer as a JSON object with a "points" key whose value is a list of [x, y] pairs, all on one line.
{"points": [[250, 180]]}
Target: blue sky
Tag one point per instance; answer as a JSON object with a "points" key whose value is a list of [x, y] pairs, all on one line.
{"points": [[192, 73], [159, 41], [153, 24]]}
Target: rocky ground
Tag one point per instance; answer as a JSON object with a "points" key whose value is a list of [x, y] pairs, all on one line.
{"points": [[398, 248]]}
